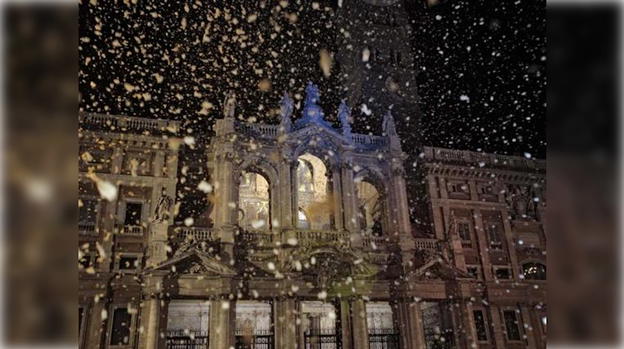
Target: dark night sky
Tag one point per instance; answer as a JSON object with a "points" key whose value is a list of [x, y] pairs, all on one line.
{"points": [[481, 64]]}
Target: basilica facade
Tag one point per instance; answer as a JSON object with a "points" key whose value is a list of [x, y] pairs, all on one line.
{"points": [[309, 242]]}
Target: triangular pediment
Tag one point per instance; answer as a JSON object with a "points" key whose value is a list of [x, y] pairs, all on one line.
{"points": [[328, 135], [437, 268], [196, 261]]}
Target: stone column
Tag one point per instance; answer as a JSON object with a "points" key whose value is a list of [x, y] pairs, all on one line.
{"points": [[96, 325], [360, 327], [411, 325], [285, 214], [497, 328], [349, 201], [528, 327], [337, 198], [226, 202], [222, 324], [346, 325], [150, 322], [285, 321], [400, 199]]}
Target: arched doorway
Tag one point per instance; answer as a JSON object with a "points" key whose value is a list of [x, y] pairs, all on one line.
{"points": [[370, 207], [254, 202], [314, 204]]}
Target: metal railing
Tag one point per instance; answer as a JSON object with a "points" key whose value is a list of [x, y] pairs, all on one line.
{"points": [[182, 339]]}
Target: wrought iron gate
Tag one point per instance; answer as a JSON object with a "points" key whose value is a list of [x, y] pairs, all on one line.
{"points": [[184, 340], [258, 340], [322, 340], [384, 339]]}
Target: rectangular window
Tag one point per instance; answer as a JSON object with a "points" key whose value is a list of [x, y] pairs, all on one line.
{"points": [[133, 213], [87, 213], [502, 273], [480, 324], [80, 318], [86, 261], [128, 263], [120, 331], [511, 325], [494, 235], [463, 229], [474, 271]]}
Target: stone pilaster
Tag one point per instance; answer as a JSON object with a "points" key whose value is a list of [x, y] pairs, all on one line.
{"points": [[346, 325], [222, 324], [511, 247], [96, 325], [410, 323], [468, 323], [285, 320], [528, 329], [150, 323], [483, 246], [497, 328], [157, 243], [360, 327]]}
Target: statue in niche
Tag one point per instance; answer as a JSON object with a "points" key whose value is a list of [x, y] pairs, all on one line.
{"points": [[163, 207], [344, 114], [521, 203], [286, 111], [388, 126], [229, 105]]}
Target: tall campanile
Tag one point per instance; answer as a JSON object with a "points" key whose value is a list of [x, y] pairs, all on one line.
{"points": [[376, 59], [378, 70]]}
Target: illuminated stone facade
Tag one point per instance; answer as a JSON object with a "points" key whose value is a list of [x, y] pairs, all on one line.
{"points": [[310, 244]]}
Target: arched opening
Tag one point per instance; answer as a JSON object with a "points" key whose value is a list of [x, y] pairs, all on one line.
{"points": [[534, 271], [370, 207], [254, 202], [313, 194]]}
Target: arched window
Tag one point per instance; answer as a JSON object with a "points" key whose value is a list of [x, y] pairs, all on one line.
{"points": [[302, 219], [370, 207], [254, 202], [534, 271], [312, 193]]}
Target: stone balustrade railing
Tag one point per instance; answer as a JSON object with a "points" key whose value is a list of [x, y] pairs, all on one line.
{"points": [[481, 159], [122, 123], [368, 140], [198, 233], [312, 237], [427, 244], [87, 228], [374, 242], [262, 130]]}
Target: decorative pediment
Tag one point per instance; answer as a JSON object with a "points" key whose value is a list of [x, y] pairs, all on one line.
{"points": [[196, 261], [437, 268]]}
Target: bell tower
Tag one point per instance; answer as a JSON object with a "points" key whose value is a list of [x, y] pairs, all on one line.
{"points": [[376, 61]]}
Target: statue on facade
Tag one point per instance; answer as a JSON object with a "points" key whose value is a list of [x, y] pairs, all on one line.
{"points": [[229, 105], [521, 203], [344, 114], [312, 112], [163, 207], [286, 112], [388, 126]]}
